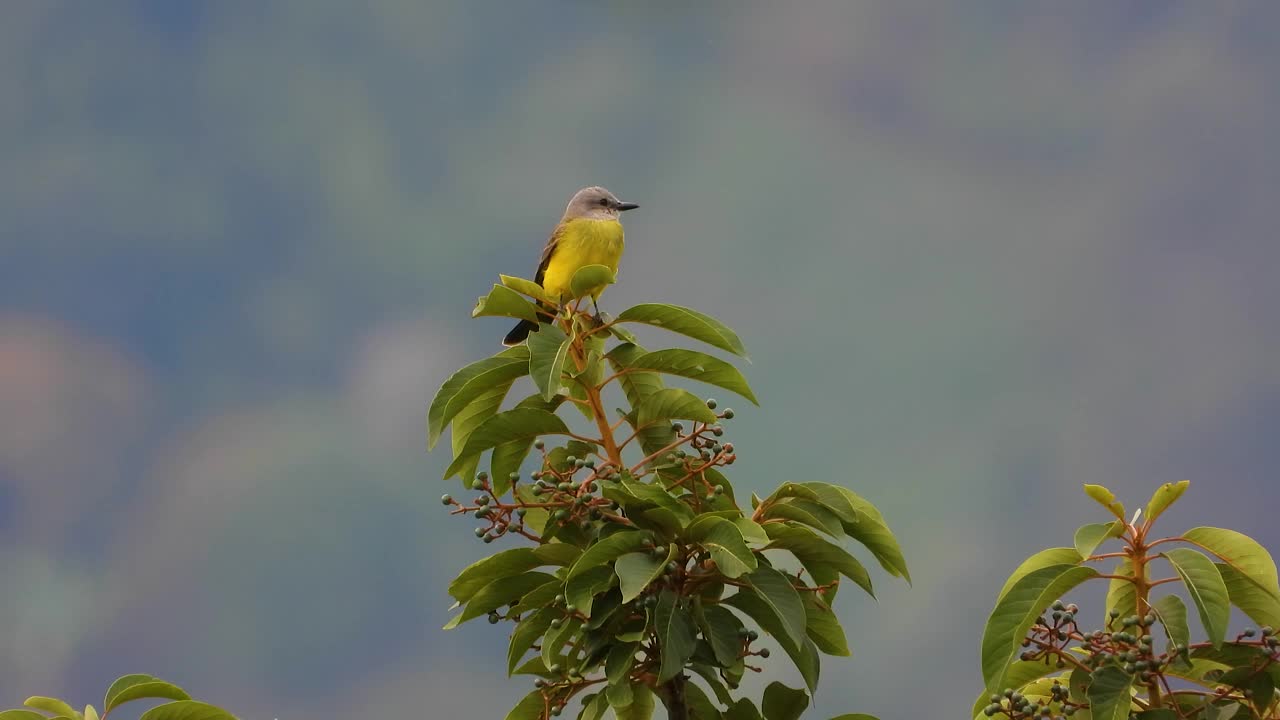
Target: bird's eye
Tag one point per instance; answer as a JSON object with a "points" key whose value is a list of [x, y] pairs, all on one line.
{"points": [[604, 202]]}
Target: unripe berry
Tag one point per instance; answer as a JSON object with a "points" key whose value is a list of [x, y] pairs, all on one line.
{"points": [[711, 403], [539, 444], [480, 532], [677, 427], [727, 414], [764, 652], [446, 500]]}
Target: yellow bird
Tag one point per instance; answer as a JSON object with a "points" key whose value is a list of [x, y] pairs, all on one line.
{"points": [[589, 233]]}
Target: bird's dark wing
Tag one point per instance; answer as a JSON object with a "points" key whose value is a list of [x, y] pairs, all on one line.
{"points": [[552, 243]]}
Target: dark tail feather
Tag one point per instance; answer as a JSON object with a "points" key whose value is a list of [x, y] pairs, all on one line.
{"points": [[519, 333]]}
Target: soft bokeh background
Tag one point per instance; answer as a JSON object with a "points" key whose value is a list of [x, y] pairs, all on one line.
{"points": [[981, 253]]}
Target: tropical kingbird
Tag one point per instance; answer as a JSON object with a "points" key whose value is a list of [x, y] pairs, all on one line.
{"points": [[589, 233]]}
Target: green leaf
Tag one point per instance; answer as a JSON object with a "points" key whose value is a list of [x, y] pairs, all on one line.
{"points": [[673, 404], [90, 713], [504, 564], [804, 654], [1166, 495], [508, 457], [123, 682], [637, 386], [824, 560], [22, 715], [186, 710], [502, 591], [696, 366], [1157, 714], [1106, 499], [1122, 596], [823, 627], [530, 707], [469, 383], [517, 424], [806, 512], [1089, 537], [527, 632], [686, 322], [781, 598], [864, 523], [641, 707], [1014, 614], [855, 716], [548, 349], [502, 301], [1240, 552], [636, 570], [676, 633], [139, 691], [595, 708], [609, 549], [1042, 559], [699, 705], [1261, 606], [723, 631], [617, 667], [711, 676], [525, 287], [1207, 590], [471, 417], [783, 703], [590, 279], [50, 705], [1109, 693], [582, 589], [744, 709], [724, 541], [1173, 617]]}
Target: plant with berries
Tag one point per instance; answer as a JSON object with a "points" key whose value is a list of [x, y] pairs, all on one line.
{"points": [[638, 578], [1040, 659]]}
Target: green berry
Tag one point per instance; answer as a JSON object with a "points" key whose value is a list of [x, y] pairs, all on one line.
{"points": [[677, 427], [482, 500], [446, 500], [570, 460], [560, 514], [488, 539], [493, 618], [536, 491], [719, 490], [764, 652], [556, 623], [522, 511], [752, 635], [480, 532], [711, 403], [579, 462], [727, 414], [538, 445], [590, 463], [514, 476]]}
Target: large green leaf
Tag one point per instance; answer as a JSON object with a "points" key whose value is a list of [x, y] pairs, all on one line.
{"points": [[743, 709], [637, 385], [1240, 552], [617, 666], [696, 366], [1109, 693], [590, 279], [1172, 614], [582, 588], [676, 632], [525, 287], [699, 705], [1106, 499], [804, 655], [531, 707], [673, 404], [1207, 590], [53, 705], [1164, 496], [526, 634], [1090, 536], [502, 301], [609, 549], [467, 420], [781, 598], [1042, 559], [724, 541], [186, 710], [506, 563], [502, 591], [22, 715], [1015, 613], [823, 627], [548, 349], [636, 570], [824, 560], [509, 456], [471, 382], [864, 523], [686, 322], [723, 631], [806, 512], [1122, 596], [516, 424], [641, 707], [783, 703], [145, 690], [1261, 606], [595, 708]]}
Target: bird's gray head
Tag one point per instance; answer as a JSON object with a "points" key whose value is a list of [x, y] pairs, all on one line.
{"points": [[596, 203]]}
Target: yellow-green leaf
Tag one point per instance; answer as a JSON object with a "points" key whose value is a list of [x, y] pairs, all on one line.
{"points": [[1166, 495], [686, 322], [1106, 499], [696, 366], [1207, 590], [589, 279], [504, 302]]}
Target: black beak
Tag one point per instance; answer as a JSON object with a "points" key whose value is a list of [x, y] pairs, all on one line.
{"points": [[623, 207]]}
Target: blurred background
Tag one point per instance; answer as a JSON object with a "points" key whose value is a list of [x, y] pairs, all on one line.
{"points": [[980, 253]]}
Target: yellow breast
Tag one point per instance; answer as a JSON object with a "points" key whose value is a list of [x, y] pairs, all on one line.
{"points": [[582, 242]]}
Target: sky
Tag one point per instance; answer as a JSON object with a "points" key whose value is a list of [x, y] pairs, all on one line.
{"points": [[979, 254]]}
